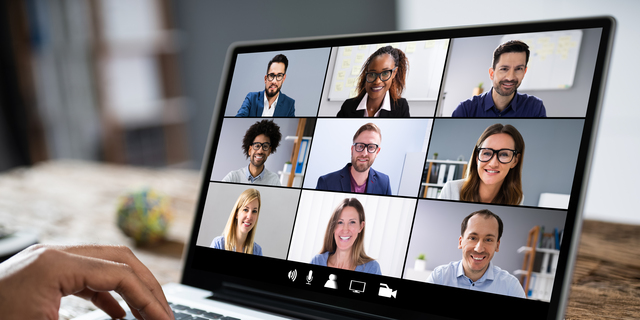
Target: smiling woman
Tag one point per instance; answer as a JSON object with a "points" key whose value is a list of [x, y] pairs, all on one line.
{"points": [[343, 245], [240, 230], [494, 171], [380, 86]]}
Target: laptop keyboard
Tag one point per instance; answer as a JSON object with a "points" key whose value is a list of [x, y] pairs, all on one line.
{"points": [[182, 312]]}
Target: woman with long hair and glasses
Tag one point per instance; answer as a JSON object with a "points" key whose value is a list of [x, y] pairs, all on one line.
{"points": [[240, 231], [380, 86], [343, 245], [494, 171]]}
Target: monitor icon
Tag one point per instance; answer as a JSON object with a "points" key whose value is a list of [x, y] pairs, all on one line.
{"points": [[386, 292], [357, 286]]}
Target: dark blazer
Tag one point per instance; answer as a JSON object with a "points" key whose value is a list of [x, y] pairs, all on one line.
{"points": [[398, 110], [253, 105], [377, 183]]}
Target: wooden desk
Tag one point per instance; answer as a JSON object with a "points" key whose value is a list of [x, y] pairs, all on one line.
{"points": [[72, 202]]}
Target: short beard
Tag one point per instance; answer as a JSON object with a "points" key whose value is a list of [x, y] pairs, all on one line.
{"points": [[506, 94], [358, 166], [271, 95]]}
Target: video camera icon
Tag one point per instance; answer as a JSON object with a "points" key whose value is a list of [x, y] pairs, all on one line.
{"points": [[386, 292]]}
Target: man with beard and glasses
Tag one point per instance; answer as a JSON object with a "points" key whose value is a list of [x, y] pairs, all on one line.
{"points": [[479, 240], [358, 176], [503, 100], [262, 139], [270, 102]]}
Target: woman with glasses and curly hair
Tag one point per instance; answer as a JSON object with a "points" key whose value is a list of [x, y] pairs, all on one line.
{"points": [[494, 171], [380, 86]]}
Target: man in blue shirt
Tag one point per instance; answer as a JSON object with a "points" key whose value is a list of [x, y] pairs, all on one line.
{"points": [[508, 69], [479, 240], [270, 102]]}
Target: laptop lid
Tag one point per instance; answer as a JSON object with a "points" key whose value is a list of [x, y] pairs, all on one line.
{"points": [[467, 182]]}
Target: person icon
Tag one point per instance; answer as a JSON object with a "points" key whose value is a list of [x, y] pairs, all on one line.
{"points": [[331, 283]]}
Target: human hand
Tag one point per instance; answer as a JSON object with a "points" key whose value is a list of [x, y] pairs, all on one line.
{"points": [[33, 282]]}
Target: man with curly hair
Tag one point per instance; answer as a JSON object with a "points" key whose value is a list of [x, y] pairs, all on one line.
{"points": [[262, 138]]}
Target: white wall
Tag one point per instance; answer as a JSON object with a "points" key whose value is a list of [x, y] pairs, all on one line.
{"points": [[613, 188]]}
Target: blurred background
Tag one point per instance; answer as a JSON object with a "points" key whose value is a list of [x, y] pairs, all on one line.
{"points": [[135, 82]]}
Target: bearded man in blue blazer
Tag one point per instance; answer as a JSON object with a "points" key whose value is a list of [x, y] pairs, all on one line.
{"points": [[358, 176], [277, 103]]}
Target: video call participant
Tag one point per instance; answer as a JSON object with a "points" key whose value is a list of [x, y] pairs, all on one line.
{"points": [[494, 171], [380, 87], [262, 138], [503, 100], [343, 245], [278, 104], [479, 240], [358, 176], [240, 231]]}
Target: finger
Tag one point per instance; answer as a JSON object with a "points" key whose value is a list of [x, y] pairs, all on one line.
{"points": [[104, 301], [82, 273], [135, 313], [122, 254]]}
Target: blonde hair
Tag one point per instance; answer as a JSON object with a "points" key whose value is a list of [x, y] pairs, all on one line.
{"points": [[358, 256], [232, 224]]}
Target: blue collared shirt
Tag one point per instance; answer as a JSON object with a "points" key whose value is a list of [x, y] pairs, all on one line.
{"points": [[521, 106], [253, 179], [494, 280]]}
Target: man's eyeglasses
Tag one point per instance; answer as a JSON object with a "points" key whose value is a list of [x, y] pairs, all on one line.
{"points": [[384, 75], [371, 147], [272, 76], [504, 155], [264, 145]]}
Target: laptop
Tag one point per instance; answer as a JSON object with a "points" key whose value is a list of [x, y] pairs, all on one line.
{"points": [[310, 209]]}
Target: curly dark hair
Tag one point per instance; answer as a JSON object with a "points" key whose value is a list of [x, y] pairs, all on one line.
{"points": [[266, 127]]}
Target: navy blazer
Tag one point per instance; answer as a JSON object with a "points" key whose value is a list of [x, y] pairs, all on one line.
{"points": [[377, 183], [253, 105], [399, 109]]}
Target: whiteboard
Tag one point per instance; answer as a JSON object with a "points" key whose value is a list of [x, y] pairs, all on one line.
{"points": [[553, 59], [426, 65]]}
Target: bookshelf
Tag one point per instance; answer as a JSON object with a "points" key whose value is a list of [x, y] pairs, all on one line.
{"points": [[538, 284], [437, 173]]}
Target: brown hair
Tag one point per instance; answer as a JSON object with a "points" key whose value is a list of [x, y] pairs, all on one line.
{"points": [[397, 86], [510, 46], [511, 189], [232, 225], [368, 127], [487, 214], [358, 256]]}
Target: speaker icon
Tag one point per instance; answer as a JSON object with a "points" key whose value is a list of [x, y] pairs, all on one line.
{"points": [[293, 274]]}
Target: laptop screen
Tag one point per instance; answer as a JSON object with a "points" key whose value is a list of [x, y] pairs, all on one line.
{"points": [[388, 175]]}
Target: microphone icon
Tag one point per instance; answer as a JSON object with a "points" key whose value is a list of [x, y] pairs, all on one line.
{"points": [[310, 277]]}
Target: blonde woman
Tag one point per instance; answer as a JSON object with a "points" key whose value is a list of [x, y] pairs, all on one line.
{"points": [[343, 245], [239, 234]]}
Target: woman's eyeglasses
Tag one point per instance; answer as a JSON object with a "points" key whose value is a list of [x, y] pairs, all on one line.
{"points": [[504, 155], [384, 75]]}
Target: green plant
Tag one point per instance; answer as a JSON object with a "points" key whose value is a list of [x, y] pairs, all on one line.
{"points": [[421, 257]]}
